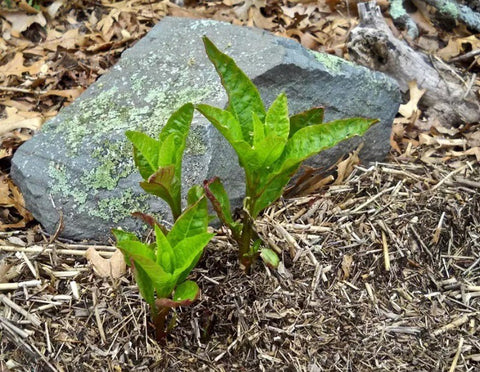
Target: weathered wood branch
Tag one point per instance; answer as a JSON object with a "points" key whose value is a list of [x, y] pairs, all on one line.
{"points": [[448, 97]]}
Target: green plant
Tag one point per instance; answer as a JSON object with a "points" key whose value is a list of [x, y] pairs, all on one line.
{"points": [[161, 268], [270, 147]]}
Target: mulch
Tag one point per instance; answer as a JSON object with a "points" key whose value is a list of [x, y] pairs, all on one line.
{"points": [[380, 272]]}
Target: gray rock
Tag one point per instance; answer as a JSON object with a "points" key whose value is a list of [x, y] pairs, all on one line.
{"points": [[80, 164]]}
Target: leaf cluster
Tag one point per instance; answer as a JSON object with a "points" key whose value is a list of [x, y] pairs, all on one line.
{"points": [[270, 145]]}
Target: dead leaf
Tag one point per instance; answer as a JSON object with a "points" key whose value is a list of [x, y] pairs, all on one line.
{"points": [[408, 110], [8, 271], [11, 198], [70, 94], [16, 67], [21, 21], [114, 266], [16, 120], [346, 167]]}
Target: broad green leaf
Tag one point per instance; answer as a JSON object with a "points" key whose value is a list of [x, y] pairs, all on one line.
{"points": [[123, 236], [162, 281], [224, 121], [271, 189], [306, 118], [310, 140], [137, 247], [258, 131], [147, 147], [164, 184], [244, 98], [277, 122], [145, 285], [164, 193], [142, 164], [269, 257], [178, 123], [165, 255], [193, 221], [168, 150], [265, 154], [187, 290], [187, 253], [221, 204], [195, 193]]}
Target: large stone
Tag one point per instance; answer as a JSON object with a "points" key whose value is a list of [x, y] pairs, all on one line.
{"points": [[80, 164]]}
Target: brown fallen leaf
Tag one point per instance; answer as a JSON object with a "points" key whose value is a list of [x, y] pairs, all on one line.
{"points": [[8, 271], [16, 67], [12, 199], [21, 21], [16, 119], [114, 266], [346, 167], [409, 109]]}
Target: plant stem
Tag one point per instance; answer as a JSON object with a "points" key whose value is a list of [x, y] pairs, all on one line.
{"points": [[244, 255], [159, 317]]}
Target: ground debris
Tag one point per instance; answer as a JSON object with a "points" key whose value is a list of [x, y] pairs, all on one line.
{"points": [[333, 303]]}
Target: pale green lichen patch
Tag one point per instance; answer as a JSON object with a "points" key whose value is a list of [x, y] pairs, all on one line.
{"points": [[333, 63], [117, 208], [450, 9], [98, 123]]}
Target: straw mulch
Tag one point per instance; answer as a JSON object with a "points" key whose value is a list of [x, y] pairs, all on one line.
{"points": [[378, 272]]}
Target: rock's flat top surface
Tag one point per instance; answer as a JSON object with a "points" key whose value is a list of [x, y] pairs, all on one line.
{"points": [[80, 164]]}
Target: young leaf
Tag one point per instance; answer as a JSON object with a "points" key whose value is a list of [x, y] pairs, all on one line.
{"points": [[167, 152], [277, 122], [188, 290], [310, 140], [165, 256], [144, 283], [193, 221], [244, 98], [195, 193], [123, 236], [144, 257], [271, 189], [224, 121], [306, 118], [258, 131], [178, 123], [145, 150], [187, 253], [265, 154]]}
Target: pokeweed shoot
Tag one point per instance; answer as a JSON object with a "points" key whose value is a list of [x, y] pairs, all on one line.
{"points": [[270, 146]]}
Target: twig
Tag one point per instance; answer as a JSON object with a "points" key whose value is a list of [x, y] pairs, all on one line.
{"points": [[15, 329], [45, 251], [448, 176], [23, 90], [385, 251], [28, 283], [457, 355], [465, 56], [32, 318]]}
